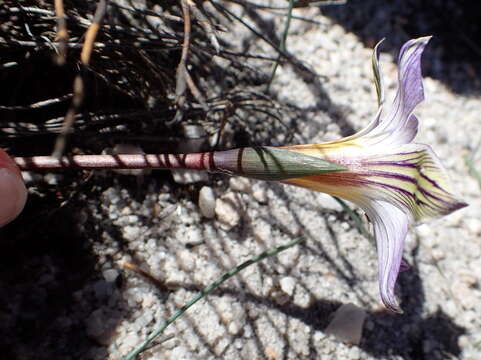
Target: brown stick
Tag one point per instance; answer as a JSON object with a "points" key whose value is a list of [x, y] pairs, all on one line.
{"points": [[78, 95], [62, 33], [181, 68], [92, 31], [78, 84], [183, 78]]}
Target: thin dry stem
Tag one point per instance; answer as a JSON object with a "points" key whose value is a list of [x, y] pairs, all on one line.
{"points": [[92, 32], [62, 32], [78, 85], [181, 68], [78, 95], [184, 79], [206, 25]]}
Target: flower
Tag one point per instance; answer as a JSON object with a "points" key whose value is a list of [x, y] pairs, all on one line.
{"points": [[396, 182]]}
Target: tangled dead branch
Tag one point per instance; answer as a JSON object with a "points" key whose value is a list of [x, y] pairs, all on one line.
{"points": [[136, 69]]}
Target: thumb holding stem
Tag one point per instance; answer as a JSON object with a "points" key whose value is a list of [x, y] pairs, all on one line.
{"points": [[13, 193]]}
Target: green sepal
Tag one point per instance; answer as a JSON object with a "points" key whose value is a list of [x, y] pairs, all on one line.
{"points": [[271, 163], [377, 74]]}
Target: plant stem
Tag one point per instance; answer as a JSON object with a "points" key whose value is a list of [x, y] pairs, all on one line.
{"points": [[195, 161], [262, 163]]}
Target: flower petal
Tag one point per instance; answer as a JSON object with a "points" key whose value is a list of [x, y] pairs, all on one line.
{"points": [[390, 229], [397, 125], [413, 179]]}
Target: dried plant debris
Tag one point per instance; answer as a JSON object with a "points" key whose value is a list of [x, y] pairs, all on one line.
{"points": [[127, 70]]}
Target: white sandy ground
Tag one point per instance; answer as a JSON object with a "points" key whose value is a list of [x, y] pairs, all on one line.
{"points": [[279, 308]]}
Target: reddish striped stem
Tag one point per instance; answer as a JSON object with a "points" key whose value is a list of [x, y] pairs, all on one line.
{"points": [[196, 161]]}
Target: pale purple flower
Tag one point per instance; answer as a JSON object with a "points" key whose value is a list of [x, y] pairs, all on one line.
{"points": [[396, 182]]}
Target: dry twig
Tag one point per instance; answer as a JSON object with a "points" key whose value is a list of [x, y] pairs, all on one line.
{"points": [[92, 32], [62, 33], [184, 79], [78, 85]]}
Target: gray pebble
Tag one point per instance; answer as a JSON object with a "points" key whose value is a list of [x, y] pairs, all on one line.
{"points": [[347, 324], [110, 275]]}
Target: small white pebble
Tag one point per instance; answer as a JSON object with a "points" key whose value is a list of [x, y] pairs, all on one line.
{"points": [[189, 176], [226, 209], [186, 260], [131, 233], [240, 184], [474, 226], [52, 179], [233, 328], [424, 230], [288, 284], [126, 211], [438, 254], [128, 342], [207, 202], [464, 341], [259, 194], [148, 300], [133, 219]]}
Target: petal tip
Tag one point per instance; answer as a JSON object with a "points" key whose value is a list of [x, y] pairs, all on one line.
{"points": [[423, 40], [459, 204], [390, 302]]}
